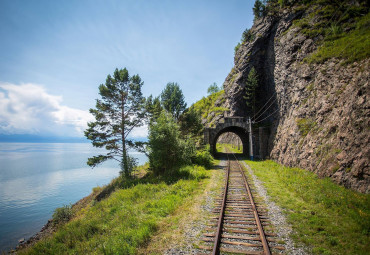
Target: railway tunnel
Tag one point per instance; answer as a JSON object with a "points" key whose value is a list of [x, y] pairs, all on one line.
{"points": [[240, 127], [241, 135]]}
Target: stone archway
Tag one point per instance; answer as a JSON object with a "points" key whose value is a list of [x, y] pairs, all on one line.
{"points": [[236, 125], [240, 132]]}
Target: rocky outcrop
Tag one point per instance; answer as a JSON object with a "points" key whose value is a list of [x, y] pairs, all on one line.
{"points": [[318, 113]]}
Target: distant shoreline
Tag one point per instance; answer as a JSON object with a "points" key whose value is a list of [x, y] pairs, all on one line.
{"points": [[47, 139], [40, 139]]}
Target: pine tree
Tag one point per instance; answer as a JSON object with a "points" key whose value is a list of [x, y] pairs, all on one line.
{"points": [[259, 9], [120, 109], [153, 108], [250, 89], [173, 100], [213, 88]]}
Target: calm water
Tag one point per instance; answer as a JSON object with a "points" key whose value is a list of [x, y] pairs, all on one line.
{"points": [[37, 178]]}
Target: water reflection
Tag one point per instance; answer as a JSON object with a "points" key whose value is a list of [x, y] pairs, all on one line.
{"points": [[37, 178]]}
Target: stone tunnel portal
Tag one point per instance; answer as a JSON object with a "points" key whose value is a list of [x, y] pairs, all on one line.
{"points": [[240, 132], [236, 125]]}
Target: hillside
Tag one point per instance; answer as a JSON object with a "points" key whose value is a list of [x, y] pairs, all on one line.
{"points": [[312, 61]]}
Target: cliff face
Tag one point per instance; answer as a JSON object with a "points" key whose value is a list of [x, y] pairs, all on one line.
{"points": [[318, 112]]}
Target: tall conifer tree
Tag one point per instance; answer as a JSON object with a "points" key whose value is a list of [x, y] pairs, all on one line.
{"points": [[250, 89], [120, 109]]}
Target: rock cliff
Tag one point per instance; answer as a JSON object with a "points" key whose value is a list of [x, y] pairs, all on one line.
{"points": [[316, 106]]}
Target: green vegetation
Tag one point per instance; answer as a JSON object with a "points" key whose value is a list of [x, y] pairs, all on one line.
{"points": [[231, 147], [203, 158], [250, 90], [213, 88], [167, 150], [351, 47], [124, 221], [121, 217], [120, 109], [191, 124], [259, 9], [237, 47], [340, 27], [325, 216], [173, 100], [62, 214], [247, 36], [174, 230], [153, 107], [206, 106], [305, 125]]}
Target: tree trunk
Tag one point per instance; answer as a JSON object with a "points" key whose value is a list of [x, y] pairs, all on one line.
{"points": [[124, 163]]}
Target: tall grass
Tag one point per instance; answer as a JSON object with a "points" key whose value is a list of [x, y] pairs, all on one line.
{"points": [[325, 216], [125, 219]]}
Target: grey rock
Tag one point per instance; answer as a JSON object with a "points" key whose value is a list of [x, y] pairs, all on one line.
{"points": [[332, 97]]}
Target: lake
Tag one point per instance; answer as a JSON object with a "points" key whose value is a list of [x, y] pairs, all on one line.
{"points": [[36, 178]]}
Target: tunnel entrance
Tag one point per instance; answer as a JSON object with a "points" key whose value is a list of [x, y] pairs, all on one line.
{"points": [[232, 135], [240, 127], [235, 125], [230, 140]]}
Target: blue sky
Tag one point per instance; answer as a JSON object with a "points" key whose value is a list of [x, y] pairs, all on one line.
{"points": [[54, 54]]}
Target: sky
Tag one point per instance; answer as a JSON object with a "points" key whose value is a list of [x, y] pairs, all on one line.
{"points": [[54, 54]]}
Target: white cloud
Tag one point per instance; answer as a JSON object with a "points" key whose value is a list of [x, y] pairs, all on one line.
{"points": [[139, 132], [29, 109]]}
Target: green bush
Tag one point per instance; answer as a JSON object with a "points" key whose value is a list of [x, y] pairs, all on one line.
{"points": [[167, 150], [247, 36], [191, 173], [203, 158], [62, 214]]}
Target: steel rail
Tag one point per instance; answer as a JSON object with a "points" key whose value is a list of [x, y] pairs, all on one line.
{"points": [[265, 245], [216, 245]]}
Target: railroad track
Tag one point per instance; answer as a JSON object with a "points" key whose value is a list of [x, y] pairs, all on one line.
{"points": [[238, 222]]}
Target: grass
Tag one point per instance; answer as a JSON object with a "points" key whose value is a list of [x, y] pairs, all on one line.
{"points": [[341, 28], [206, 106], [325, 216], [127, 218], [305, 125], [232, 147], [349, 46], [182, 227]]}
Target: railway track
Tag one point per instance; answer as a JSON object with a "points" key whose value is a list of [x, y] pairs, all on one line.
{"points": [[238, 222]]}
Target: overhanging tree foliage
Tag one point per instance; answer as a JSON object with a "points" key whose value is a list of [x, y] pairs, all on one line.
{"points": [[120, 109], [250, 89], [173, 100]]}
